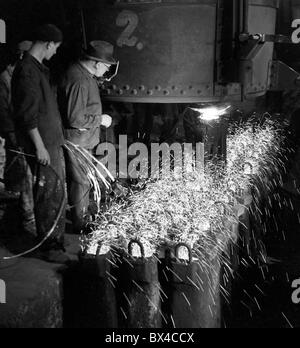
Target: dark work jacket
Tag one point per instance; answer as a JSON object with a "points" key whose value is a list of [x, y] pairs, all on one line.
{"points": [[6, 120], [80, 107], [35, 105]]}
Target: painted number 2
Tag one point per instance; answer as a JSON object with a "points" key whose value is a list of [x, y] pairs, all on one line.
{"points": [[130, 20]]}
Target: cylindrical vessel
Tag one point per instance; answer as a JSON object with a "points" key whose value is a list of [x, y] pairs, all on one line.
{"points": [[172, 51], [166, 48], [98, 299], [193, 293], [139, 292]]}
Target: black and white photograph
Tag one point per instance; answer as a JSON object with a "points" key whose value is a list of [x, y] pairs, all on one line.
{"points": [[150, 166]]}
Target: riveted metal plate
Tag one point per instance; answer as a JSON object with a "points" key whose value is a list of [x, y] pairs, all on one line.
{"points": [[166, 50]]}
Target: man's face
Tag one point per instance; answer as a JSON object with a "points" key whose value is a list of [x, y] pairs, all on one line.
{"points": [[52, 48], [101, 68], [11, 69]]}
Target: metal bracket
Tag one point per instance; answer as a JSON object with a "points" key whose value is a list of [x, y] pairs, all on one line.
{"points": [[252, 44], [262, 38]]}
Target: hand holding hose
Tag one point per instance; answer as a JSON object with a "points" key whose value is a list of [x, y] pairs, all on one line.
{"points": [[43, 156]]}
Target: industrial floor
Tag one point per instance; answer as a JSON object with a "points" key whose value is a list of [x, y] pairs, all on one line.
{"points": [[34, 288]]}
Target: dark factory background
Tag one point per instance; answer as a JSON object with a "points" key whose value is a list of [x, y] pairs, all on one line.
{"points": [[179, 57]]}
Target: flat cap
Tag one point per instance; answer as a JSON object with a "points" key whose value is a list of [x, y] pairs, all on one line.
{"points": [[48, 33]]}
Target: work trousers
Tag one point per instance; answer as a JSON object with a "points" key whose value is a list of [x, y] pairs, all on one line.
{"points": [[18, 179], [50, 198], [78, 192]]}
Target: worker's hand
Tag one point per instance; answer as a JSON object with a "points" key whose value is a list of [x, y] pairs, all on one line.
{"points": [[106, 121], [43, 156]]}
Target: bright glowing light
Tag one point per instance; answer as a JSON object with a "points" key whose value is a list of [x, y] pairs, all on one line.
{"points": [[212, 113]]}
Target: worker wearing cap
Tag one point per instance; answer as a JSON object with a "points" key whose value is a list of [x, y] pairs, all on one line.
{"points": [[40, 133], [17, 174], [81, 111]]}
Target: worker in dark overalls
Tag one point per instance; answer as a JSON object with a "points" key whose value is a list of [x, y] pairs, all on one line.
{"points": [[17, 174], [40, 133], [81, 111]]}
